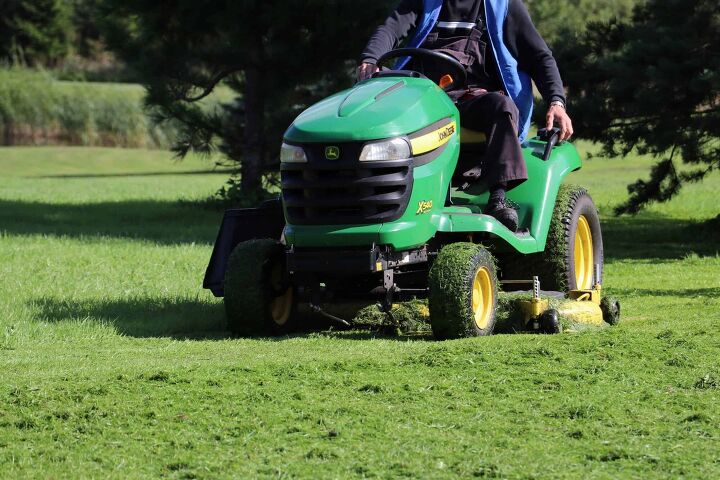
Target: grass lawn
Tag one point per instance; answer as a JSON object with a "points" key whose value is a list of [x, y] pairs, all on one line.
{"points": [[113, 362]]}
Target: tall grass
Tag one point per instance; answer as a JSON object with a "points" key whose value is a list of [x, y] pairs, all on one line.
{"points": [[35, 109]]}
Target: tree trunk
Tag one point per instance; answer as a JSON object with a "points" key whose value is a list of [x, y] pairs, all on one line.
{"points": [[252, 161]]}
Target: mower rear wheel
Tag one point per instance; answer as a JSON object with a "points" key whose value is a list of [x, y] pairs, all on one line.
{"points": [[259, 300], [575, 243], [574, 246], [463, 292]]}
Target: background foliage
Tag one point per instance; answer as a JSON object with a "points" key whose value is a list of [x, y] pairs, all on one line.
{"points": [[651, 83], [277, 57], [555, 19], [35, 32]]}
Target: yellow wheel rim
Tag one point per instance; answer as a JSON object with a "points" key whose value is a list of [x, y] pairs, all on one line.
{"points": [[584, 261], [281, 306], [482, 298]]}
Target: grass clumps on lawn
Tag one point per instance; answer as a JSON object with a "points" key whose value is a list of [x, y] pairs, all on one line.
{"points": [[405, 318]]}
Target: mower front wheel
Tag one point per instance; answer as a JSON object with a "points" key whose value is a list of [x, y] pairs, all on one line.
{"points": [[259, 299], [463, 292]]}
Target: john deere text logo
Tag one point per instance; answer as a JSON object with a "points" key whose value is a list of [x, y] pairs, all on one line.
{"points": [[446, 132], [332, 153]]}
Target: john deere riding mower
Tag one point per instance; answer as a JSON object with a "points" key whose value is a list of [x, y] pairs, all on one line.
{"points": [[375, 209]]}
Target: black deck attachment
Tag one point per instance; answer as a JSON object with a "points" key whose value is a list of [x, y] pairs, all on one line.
{"points": [[239, 225]]}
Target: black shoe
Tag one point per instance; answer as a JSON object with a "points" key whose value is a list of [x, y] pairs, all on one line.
{"points": [[505, 212]]}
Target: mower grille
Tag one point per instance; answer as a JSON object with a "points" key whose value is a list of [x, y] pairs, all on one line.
{"points": [[345, 191]]}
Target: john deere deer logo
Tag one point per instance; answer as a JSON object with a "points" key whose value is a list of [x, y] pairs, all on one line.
{"points": [[332, 153]]}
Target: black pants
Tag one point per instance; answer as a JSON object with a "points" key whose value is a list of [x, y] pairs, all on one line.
{"points": [[497, 115]]}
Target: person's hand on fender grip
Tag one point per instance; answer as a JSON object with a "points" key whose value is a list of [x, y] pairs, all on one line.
{"points": [[557, 115]]}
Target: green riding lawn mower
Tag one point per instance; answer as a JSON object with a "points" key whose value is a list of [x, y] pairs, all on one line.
{"points": [[374, 209]]}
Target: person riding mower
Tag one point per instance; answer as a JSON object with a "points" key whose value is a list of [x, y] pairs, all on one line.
{"points": [[501, 50], [389, 192]]}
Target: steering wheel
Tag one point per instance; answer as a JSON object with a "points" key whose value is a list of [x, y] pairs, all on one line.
{"points": [[457, 73]]}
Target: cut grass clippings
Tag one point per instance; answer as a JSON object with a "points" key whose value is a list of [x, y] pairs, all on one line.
{"points": [[413, 318]]}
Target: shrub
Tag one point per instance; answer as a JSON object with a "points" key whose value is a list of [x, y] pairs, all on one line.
{"points": [[35, 109]]}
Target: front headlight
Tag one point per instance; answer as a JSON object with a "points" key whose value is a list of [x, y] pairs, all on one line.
{"points": [[292, 154], [395, 149]]}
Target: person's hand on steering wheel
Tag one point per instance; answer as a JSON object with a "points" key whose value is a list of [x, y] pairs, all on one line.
{"points": [[366, 70], [455, 77]]}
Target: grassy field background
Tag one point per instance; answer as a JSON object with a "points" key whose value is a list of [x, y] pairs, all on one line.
{"points": [[36, 109], [114, 363]]}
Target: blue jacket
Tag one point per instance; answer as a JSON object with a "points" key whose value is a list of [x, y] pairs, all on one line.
{"points": [[517, 83]]}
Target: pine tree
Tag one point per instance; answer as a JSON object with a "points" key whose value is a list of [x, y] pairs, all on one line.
{"points": [[277, 56], [651, 84], [553, 18], [35, 32]]}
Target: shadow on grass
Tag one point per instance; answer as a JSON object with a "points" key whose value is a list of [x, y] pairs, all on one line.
{"points": [[176, 222], [81, 176], [650, 236], [164, 222], [182, 319], [142, 317]]}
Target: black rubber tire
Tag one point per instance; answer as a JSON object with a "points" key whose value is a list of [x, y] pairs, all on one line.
{"points": [[576, 203], [556, 266], [252, 284], [451, 281], [550, 322]]}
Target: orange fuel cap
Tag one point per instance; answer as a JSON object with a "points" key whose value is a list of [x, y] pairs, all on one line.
{"points": [[446, 81]]}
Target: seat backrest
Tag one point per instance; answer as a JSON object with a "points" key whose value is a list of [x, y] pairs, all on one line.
{"points": [[472, 152], [472, 137]]}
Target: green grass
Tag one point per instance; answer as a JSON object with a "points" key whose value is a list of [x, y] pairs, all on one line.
{"points": [[113, 362]]}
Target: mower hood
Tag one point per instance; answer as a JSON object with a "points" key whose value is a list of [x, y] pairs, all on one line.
{"points": [[375, 109]]}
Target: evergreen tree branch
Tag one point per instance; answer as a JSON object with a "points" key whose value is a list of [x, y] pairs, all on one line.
{"points": [[210, 87]]}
